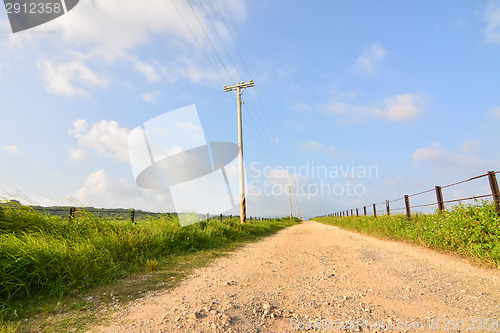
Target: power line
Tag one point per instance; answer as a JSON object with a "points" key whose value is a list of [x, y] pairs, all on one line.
{"points": [[272, 137], [210, 40], [269, 126], [267, 148], [248, 73], [229, 33], [198, 42], [218, 36], [272, 159], [258, 129]]}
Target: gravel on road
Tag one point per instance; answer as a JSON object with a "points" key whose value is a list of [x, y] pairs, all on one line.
{"points": [[313, 276]]}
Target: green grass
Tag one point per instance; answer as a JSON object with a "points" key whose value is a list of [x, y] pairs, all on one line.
{"points": [[43, 258], [472, 231]]}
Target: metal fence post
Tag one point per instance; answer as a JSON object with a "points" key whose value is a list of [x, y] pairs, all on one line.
{"points": [[364, 208], [388, 207], [132, 215], [374, 210], [357, 212]]}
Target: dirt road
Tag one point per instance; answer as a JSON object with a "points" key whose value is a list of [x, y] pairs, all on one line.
{"points": [[313, 274]]}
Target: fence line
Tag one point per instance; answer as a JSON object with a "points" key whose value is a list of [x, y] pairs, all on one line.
{"points": [[130, 213], [495, 194]]}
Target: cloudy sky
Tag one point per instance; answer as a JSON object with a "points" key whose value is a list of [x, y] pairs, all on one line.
{"points": [[355, 102]]}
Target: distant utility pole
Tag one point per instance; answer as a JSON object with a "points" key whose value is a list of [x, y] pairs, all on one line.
{"points": [[290, 195], [238, 89], [296, 208]]}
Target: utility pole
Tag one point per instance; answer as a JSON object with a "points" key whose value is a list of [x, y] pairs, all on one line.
{"points": [[296, 208], [238, 89], [290, 195]]}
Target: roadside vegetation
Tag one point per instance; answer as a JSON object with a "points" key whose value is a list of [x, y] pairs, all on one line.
{"points": [[472, 230], [50, 264]]}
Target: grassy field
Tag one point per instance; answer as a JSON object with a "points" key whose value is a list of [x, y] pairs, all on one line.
{"points": [[472, 231], [45, 259]]}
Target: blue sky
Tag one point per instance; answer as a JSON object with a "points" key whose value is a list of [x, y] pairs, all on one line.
{"points": [[408, 89]]}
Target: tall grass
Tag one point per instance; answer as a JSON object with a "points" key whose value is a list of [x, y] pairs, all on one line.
{"points": [[470, 230], [44, 256]]}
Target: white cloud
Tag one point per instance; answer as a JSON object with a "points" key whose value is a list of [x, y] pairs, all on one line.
{"points": [[396, 108], [76, 154], [12, 149], [120, 25], [282, 178], [492, 30], [110, 30], [99, 191], [61, 79], [429, 153], [151, 97], [398, 184], [397, 181], [184, 68], [400, 107], [495, 113], [346, 110], [458, 23], [13, 44], [472, 146], [338, 94], [105, 138], [153, 72], [447, 161], [371, 56], [191, 69], [79, 126], [294, 124], [301, 107], [316, 147]]}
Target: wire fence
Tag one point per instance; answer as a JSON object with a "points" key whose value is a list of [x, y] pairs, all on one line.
{"points": [[440, 202], [133, 215]]}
